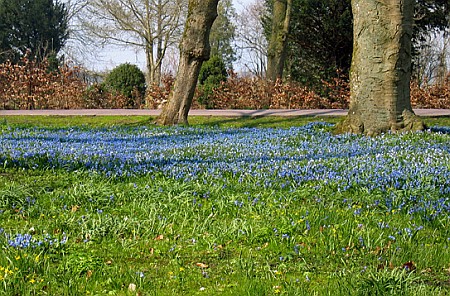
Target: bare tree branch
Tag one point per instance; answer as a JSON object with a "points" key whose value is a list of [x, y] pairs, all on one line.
{"points": [[151, 25]]}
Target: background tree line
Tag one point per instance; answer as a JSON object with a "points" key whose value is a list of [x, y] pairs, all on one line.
{"points": [[38, 29], [318, 41]]}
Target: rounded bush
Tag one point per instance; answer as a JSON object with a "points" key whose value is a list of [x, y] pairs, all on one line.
{"points": [[127, 79]]}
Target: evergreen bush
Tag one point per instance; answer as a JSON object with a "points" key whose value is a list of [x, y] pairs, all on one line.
{"points": [[129, 81], [212, 74]]}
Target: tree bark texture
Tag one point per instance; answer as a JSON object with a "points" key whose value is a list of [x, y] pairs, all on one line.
{"points": [[277, 50], [194, 50], [381, 68]]}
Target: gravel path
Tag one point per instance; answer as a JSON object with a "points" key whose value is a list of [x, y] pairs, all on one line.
{"points": [[225, 113]]}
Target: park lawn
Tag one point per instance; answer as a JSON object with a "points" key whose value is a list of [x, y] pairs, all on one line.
{"points": [[266, 206], [203, 121], [235, 122]]}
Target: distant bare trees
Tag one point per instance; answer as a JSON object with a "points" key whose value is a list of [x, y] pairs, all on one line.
{"points": [[251, 40], [432, 63], [150, 25]]}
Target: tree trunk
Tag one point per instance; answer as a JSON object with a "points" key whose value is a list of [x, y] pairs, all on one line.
{"points": [[194, 50], [159, 45], [381, 68], [154, 69], [277, 50], [149, 75]]}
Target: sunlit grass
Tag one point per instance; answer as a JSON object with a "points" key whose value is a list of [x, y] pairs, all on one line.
{"points": [[108, 121]]}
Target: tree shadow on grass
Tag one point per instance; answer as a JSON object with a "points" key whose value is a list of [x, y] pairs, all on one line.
{"points": [[440, 129], [259, 121]]}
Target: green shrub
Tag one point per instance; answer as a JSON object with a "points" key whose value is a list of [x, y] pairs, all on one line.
{"points": [[212, 74], [129, 81]]}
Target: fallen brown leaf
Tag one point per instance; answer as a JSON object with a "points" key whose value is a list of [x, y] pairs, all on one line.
{"points": [[202, 265], [89, 274]]}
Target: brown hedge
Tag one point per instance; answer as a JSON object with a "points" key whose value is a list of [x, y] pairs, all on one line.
{"points": [[31, 86]]}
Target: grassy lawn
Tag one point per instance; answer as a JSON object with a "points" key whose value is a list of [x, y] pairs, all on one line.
{"points": [[249, 206], [109, 121]]}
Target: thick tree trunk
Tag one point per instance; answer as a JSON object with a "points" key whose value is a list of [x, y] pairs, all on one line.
{"points": [[194, 50], [381, 68], [277, 50]]}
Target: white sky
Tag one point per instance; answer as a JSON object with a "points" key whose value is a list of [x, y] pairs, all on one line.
{"points": [[110, 57]]}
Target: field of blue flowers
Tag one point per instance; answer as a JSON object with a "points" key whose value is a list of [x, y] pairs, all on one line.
{"points": [[223, 211]]}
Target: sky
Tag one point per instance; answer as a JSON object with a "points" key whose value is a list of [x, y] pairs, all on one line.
{"points": [[108, 58]]}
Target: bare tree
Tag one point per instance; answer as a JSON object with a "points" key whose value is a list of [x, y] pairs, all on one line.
{"points": [[80, 46], [381, 68], [251, 40], [444, 57], [151, 25], [432, 62], [194, 50]]}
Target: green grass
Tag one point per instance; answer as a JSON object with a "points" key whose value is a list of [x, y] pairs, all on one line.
{"points": [[437, 120], [152, 227], [108, 121], [152, 235]]}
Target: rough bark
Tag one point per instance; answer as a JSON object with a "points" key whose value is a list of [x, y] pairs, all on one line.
{"points": [[277, 50], [381, 68], [194, 50]]}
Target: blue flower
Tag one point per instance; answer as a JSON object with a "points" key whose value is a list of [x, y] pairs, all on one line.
{"points": [[361, 241], [238, 203], [277, 159], [23, 241]]}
